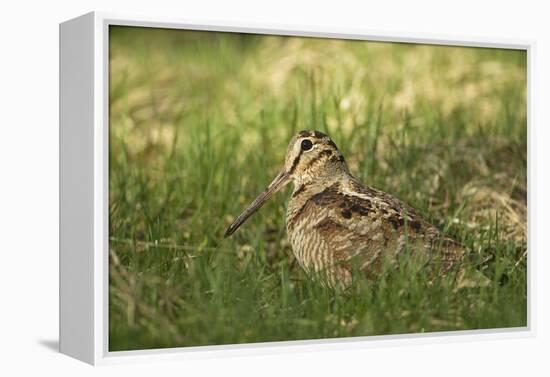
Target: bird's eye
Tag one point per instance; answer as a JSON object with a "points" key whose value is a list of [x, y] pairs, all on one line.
{"points": [[306, 145]]}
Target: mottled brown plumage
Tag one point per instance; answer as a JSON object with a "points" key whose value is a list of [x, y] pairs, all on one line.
{"points": [[336, 226]]}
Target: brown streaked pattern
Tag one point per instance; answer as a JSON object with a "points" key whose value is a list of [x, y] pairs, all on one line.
{"points": [[299, 190], [331, 143], [319, 135], [295, 163], [327, 227], [321, 155], [337, 158], [334, 223]]}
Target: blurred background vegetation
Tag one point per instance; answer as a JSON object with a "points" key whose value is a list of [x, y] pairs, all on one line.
{"points": [[199, 124]]}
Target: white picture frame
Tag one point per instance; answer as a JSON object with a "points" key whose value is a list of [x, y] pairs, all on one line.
{"points": [[84, 190]]}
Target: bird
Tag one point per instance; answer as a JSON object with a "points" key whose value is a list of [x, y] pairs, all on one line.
{"points": [[338, 227]]}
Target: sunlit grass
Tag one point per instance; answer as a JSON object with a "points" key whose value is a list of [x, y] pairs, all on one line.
{"points": [[199, 124]]}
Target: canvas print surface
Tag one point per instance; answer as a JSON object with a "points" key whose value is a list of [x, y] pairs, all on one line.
{"points": [[271, 188]]}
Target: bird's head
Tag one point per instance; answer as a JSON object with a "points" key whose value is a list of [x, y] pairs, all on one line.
{"points": [[311, 157]]}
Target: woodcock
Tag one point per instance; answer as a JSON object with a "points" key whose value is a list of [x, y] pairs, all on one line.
{"points": [[337, 226]]}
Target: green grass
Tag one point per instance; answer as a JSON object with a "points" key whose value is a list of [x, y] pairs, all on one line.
{"points": [[199, 124]]}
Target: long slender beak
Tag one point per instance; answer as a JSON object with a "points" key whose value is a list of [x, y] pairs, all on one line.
{"points": [[279, 182]]}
